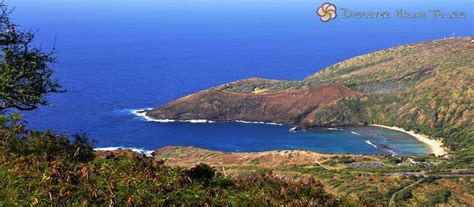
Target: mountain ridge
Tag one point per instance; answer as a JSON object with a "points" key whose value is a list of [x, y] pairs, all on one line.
{"points": [[425, 87]]}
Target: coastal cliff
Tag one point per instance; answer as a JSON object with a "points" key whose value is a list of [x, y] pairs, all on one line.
{"points": [[291, 106], [425, 87]]}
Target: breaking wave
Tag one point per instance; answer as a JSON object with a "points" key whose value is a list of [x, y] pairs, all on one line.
{"points": [[370, 143], [293, 129], [141, 113], [257, 122], [353, 132]]}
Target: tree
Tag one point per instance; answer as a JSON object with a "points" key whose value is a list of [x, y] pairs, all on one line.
{"points": [[25, 75]]}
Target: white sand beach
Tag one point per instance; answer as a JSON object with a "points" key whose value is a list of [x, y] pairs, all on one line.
{"points": [[435, 145]]}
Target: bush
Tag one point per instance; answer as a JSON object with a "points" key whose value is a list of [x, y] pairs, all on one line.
{"points": [[329, 162], [222, 183], [201, 173], [438, 196], [430, 179], [404, 195], [394, 160], [345, 160]]}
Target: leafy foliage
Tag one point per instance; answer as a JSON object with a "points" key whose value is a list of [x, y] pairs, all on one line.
{"points": [[25, 75]]}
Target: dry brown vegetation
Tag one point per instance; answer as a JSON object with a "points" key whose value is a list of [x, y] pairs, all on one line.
{"points": [[370, 180], [190, 156]]}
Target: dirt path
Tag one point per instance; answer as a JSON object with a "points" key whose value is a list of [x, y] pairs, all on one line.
{"points": [[391, 202]]}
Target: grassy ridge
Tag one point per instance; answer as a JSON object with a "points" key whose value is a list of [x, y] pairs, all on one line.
{"points": [[425, 87], [369, 180]]}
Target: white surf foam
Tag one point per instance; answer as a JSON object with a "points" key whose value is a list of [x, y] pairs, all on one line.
{"points": [[257, 122], [393, 153], [293, 129], [370, 143], [141, 113], [138, 150], [353, 132], [197, 121]]}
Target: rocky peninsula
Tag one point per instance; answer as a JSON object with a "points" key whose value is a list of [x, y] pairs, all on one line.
{"points": [[424, 87]]}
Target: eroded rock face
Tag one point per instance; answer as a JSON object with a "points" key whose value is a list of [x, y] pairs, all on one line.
{"points": [[291, 106]]}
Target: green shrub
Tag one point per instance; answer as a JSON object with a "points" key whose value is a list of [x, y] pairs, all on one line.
{"points": [[201, 173], [437, 196]]}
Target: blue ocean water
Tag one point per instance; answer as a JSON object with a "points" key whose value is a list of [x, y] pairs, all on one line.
{"points": [[114, 56]]}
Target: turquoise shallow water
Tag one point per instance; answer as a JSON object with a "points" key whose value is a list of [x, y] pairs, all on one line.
{"points": [[246, 137], [132, 54]]}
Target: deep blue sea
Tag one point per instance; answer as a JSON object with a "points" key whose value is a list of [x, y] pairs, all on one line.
{"points": [[116, 56]]}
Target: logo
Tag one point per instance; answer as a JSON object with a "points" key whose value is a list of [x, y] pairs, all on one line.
{"points": [[327, 11]]}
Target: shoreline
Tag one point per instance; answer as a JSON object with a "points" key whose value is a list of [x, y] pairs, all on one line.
{"points": [[436, 146]]}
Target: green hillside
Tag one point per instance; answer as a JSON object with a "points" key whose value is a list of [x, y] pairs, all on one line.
{"points": [[425, 87]]}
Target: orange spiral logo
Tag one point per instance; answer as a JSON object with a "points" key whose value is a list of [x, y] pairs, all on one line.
{"points": [[327, 11]]}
